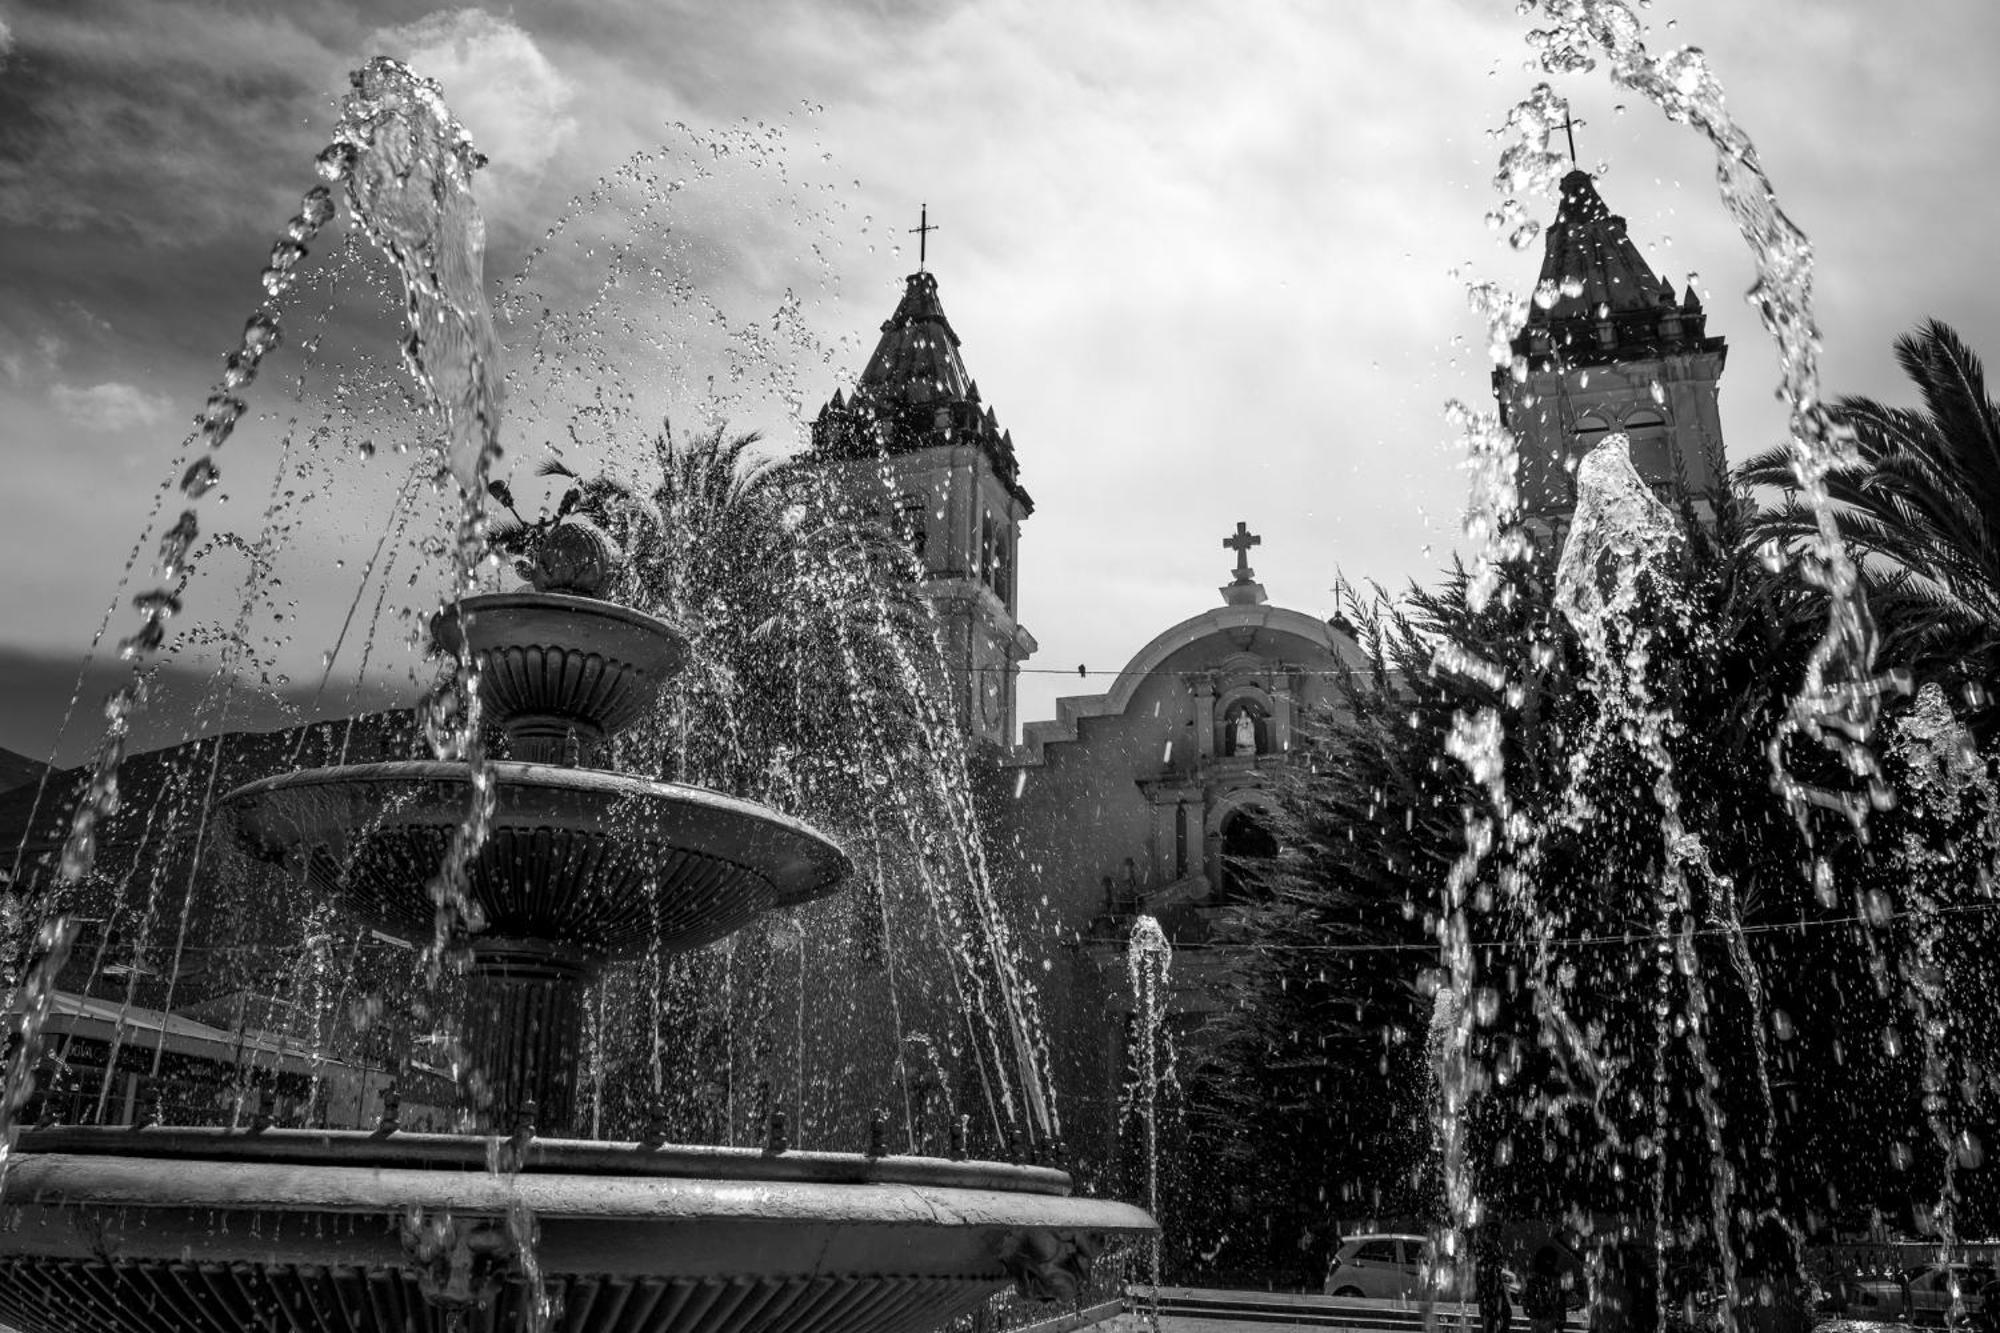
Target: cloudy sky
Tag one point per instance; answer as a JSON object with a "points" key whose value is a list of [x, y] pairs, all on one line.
{"points": [[1207, 260]]}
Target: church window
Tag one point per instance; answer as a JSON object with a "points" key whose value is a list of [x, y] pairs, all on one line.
{"points": [[910, 523], [1003, 565], [1647, 431], [986, 549], [1590, 428], [1180, 841]]}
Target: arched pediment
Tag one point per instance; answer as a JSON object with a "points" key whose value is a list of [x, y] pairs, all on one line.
{"points": [[1249, 641], [1257, 637]]}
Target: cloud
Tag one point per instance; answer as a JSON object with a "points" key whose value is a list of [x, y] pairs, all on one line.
{"points": [[6, 37], [109, 406], [498, 83], [160, 119]]}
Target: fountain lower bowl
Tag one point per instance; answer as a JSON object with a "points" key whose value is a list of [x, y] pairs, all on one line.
{"points": [[598, 862], [172, 1230]]}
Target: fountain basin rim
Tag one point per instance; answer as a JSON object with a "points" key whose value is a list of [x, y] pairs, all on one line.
{"points": [[130, 1182], [460, 1153], [514, 779], [525, 602]]}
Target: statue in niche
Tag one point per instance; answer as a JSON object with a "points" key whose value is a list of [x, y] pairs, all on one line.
{"points": [[1243, 738]]}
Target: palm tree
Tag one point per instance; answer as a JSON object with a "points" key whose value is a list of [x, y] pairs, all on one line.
{"points": [[1920, 505]]}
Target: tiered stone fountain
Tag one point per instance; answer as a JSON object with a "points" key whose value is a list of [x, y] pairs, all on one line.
{"points": [[158, 1229]]}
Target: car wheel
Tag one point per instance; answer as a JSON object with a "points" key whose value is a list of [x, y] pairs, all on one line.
{"points": [[1350, 1292]]}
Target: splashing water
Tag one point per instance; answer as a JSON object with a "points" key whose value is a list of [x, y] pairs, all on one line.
{"points": [[1149, 961], [1839, 702], [1613, 565], [1622, 530], [407, 167]]}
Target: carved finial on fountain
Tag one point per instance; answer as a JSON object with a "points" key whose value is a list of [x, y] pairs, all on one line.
{"points": [[564, 551], [574, 557]]}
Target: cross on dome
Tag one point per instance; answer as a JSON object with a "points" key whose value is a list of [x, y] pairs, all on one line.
{"points": [[1243, 590], [1241, 544]]}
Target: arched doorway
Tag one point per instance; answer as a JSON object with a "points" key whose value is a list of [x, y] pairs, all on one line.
{"points": [[1248, 845]]}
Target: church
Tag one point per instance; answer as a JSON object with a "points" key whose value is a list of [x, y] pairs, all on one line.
{"points": [[1148, 799]]}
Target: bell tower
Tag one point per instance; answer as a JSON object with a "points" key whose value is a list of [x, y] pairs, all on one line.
{"points": [[915, 441], [1608, 348]]}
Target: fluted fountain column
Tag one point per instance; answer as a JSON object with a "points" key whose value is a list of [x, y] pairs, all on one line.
{"points": [[523, 1028]]}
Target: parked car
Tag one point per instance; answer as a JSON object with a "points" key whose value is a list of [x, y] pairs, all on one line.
{"points": [[1918, 1295], [1378, 1267], [1393, 1266], [1875, 1295], [1930, 1292]]}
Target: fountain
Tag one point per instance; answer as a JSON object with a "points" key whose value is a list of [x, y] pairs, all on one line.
{"points": [[160, 1228], [560, 869]]}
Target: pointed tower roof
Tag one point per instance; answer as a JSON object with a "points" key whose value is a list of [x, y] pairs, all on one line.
{"points": [[917, 360], [1608, 304], [915, 394], [1587, 244]]}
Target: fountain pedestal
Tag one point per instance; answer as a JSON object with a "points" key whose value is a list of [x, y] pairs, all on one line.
{"points": [[524, 1028]]}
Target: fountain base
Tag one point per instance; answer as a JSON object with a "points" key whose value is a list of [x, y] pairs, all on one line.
{"points": [[189, 1231]]}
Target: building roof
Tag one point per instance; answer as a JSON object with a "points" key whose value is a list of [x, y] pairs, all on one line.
{"points": [[915, 393], [917, 360], [1604, 303], [18, 770]]}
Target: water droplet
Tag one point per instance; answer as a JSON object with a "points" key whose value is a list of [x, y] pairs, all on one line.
{"points": [[158, 604], [260, 334], [316, 207], [200, 478], [335, 161], [175, 543]]}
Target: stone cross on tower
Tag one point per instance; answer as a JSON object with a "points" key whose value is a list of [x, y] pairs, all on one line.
{"points": [[1569, 132], [922, 231], [1244, 588]]}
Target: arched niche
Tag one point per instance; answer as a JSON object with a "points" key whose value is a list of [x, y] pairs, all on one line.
{"points": [[1239, 703]]}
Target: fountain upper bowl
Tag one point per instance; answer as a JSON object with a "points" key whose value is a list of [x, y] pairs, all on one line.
{"points": [[560, 673], [600, 863]]}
